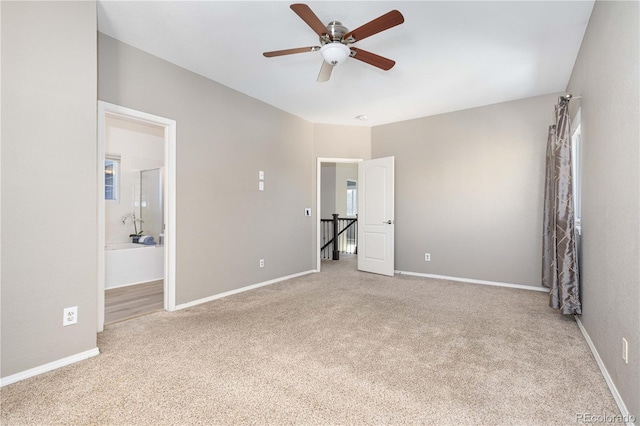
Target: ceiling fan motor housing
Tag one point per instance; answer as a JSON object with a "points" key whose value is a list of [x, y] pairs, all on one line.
{"points": [[335, 31]]}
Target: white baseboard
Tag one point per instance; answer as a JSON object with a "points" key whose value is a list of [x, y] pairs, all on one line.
{"points": [[134, 283], [49, 367], [242, 289], [472, 281], [612, 387]]}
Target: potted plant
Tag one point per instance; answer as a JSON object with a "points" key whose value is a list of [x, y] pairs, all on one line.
{"points": [[136, 235]]}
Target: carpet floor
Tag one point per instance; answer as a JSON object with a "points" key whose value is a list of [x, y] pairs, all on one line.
{"points": [[338, 347]]}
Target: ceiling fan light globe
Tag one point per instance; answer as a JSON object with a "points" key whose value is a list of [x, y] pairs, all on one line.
{"points": [[335, 52]]}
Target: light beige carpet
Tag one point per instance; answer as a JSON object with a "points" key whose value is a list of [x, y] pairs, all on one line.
{"points": [[339, 347]]}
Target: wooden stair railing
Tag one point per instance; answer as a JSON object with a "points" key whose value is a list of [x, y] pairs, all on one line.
{"points": [[341, 231]]}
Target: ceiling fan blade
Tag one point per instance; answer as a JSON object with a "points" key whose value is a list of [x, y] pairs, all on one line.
{"points": [[307, 15], [325, 72], [384, 22], [291, 51], [372, 59]]}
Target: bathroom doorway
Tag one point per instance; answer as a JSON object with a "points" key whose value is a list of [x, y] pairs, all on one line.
{"points": [[136, 213]]}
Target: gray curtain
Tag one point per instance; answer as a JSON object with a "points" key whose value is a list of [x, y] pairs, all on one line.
{"points": [[559, 250]]}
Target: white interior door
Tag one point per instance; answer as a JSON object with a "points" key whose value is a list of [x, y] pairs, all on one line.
{"points": [[376, 226]]}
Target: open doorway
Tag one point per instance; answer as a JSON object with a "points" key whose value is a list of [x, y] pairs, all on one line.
{"points": [[136, 212], [336, 194]]}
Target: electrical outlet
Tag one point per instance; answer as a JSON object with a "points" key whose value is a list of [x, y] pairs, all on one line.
{"points": [[427, 257], [70, 316], [625, 350], [262, 263]]}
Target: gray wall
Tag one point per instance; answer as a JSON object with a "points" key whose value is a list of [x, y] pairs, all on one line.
{"points": [[333, 195], [469, 190], [344, 172], [328, 190], [332, 141], [606, 74], [49, 179], [224, 224]]}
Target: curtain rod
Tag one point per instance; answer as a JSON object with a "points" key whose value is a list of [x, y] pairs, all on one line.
{"points": [[569, 97]]}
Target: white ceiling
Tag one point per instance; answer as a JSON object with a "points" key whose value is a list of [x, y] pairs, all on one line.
{"points": [[450, 55]]}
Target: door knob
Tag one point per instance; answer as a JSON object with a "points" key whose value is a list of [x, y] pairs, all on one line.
{"points": [[389, 222]]}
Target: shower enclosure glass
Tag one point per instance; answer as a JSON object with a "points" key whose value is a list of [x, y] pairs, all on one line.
{"points": [[151, 203]]}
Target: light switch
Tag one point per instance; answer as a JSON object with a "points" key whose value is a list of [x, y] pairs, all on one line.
{"points": [[261, 186], [307, 212], [261, 175]]}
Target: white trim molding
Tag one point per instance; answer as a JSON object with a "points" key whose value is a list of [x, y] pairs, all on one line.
{"points": [[472, 281], [242, 289], [607, 377], [49, 367]]}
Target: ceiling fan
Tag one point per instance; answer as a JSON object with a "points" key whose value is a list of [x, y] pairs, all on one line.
{"points": [[335, 38]]}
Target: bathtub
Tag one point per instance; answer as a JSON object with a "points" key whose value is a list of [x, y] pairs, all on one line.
{"points": [[129, 263]]}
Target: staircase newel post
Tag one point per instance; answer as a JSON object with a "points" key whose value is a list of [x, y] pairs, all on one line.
{"points": [[356, 250], [336, 253]]}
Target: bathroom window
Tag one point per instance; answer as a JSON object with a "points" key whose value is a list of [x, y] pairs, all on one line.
{"points": [[111, 178]]}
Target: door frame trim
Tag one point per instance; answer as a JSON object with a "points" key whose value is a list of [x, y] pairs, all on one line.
{"points": [[169, 125], [319, 162]]}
